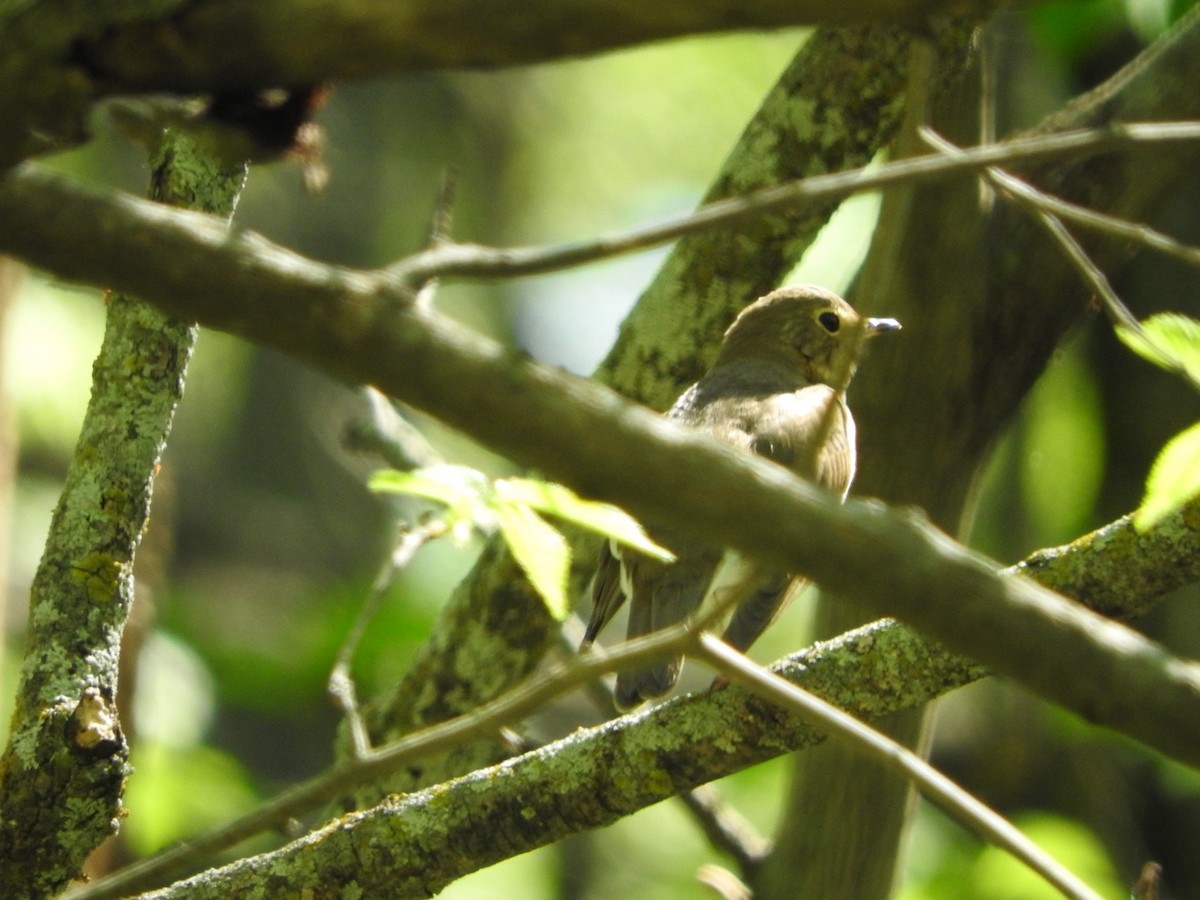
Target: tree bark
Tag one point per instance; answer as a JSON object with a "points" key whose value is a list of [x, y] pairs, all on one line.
{"points": [[991, 298]]}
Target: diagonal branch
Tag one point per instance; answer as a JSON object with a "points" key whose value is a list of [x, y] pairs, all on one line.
{"points": [[854, 671], [933, 785], [358, 327], [1116, 569]]}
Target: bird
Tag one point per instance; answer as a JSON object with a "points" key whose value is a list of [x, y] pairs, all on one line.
{"points": [[777, 390]]}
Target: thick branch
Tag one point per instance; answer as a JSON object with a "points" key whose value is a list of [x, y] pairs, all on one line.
{"points": [[355, 326], [57, 59], [229, 44]]}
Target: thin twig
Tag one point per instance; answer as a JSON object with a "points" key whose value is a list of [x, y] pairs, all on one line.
{"points": [[935, 786], [723, 883], [478, 261], [440, 223], [442, 220], [341, 683], [388, 434], [1036, 202], [1138, 232]]}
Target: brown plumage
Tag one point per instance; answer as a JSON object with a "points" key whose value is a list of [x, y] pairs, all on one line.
{"points": [[776, 390]]}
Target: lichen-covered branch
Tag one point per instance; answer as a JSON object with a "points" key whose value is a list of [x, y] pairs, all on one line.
{"points": [[854, 671], [358, 326], [62, 773], [599, 775], [414, 845]]}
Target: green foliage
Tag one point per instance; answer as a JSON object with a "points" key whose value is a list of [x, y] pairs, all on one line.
{"points": [[1172, 342], [462, 490], [996, 875], [1062, 470], [1174, 478], [542, 552], [514, 505], [165, 804], [955, 868], [563, 503]]}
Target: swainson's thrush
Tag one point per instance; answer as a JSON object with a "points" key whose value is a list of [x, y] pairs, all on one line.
{"points": [[777, 390]]}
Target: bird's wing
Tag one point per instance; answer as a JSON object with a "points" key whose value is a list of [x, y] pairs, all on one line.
{"points": [[619, 570], [607, 594], [662, 595]]}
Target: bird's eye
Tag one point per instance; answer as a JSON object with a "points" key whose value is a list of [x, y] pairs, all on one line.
{"points": [[830, 322]]}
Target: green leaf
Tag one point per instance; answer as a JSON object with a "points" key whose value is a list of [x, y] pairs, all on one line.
{"points": [[540, 550], [464, 491], [1174, 478], [510, 503], [1171, 341], [563, 503]]}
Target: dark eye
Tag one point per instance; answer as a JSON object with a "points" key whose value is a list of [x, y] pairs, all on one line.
{"points": [[830, 322]]}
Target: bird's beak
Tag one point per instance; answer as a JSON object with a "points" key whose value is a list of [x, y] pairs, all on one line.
{"points": [[879, 326]]}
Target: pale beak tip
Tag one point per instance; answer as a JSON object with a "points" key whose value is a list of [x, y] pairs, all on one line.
{"points": [[879, 326]]}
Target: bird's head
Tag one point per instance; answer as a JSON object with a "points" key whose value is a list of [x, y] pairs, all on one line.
{"points": [[804, 327]]}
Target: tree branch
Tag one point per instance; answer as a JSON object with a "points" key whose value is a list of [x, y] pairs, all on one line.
{"points": [[854, 672], [57, 60], [883, 751], [356, 326], [477, 261], [587, 780], [63, 771], [226, 45]]}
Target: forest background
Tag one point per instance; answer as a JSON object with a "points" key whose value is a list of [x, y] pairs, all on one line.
{"points": [[265, 540]]}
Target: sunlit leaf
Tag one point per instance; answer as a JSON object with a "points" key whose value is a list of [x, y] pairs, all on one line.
{"points": [[540, 550], [1171, 341], [1174, 478], [464, 492], [603, 518]]}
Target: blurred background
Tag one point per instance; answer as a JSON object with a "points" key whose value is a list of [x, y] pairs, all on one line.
{"points": [[264, 540]]}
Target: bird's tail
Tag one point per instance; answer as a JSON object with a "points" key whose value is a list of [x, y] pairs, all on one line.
{"points": [[639, 685]]}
